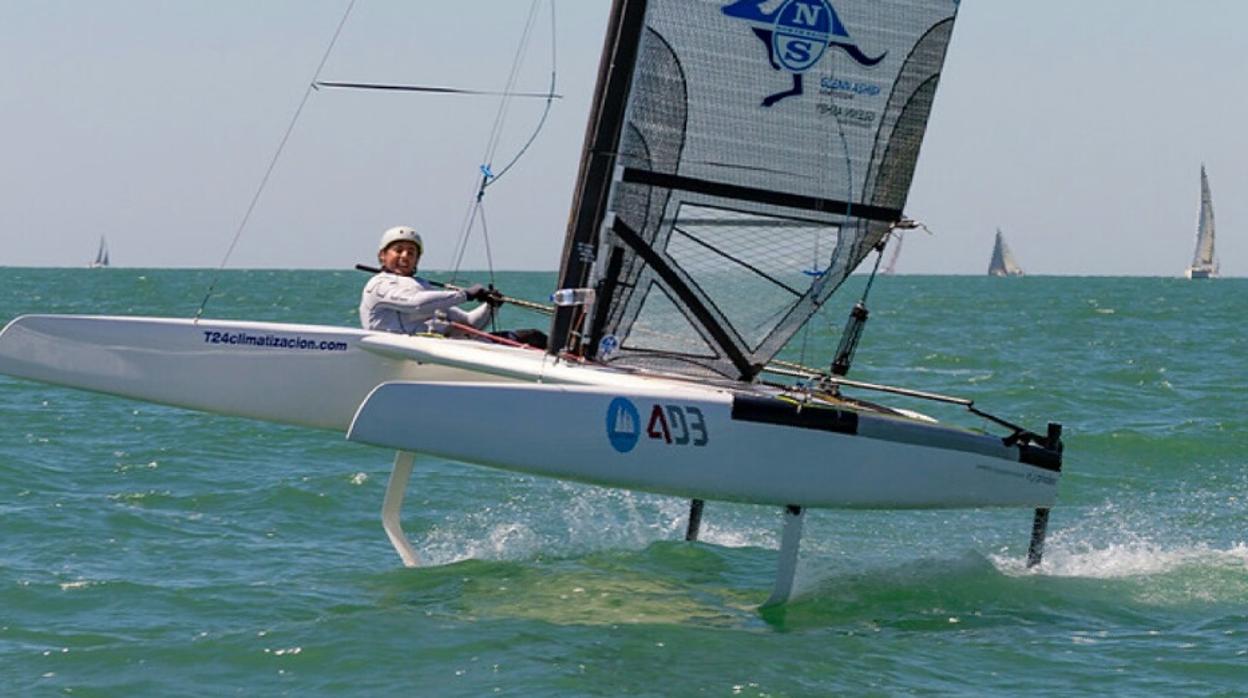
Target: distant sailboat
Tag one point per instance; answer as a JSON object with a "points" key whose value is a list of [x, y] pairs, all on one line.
{"points": [[101, 255], [1203, 264], [1003, 262]]}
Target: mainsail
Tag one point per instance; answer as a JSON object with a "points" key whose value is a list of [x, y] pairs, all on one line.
{"points": [[1003, 262], [741, 161], [1203, 265]]}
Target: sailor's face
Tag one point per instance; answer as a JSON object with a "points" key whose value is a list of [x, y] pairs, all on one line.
{"points": [[401, 257]]}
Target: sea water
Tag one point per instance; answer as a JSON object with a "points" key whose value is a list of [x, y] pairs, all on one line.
{"points": [[148, 550]]}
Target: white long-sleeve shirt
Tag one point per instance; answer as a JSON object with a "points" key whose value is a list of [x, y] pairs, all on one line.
{"points": [[408, 304]]}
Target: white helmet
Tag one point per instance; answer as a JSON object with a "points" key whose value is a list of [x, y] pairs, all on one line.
{"points": [[401, 232]]}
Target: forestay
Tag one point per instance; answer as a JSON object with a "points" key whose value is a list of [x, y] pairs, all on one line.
{"points": [[766, 147]]}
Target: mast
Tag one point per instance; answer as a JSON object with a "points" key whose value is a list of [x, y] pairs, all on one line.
{"points": [[602, 137]]}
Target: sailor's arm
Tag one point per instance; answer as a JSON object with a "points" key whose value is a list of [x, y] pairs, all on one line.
{"points": [[412, 298]]}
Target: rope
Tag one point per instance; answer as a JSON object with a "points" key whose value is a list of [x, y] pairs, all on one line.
{"points": [[550, 97], [489, 262], [431, 89], [476, 207], [504, 105], [472, 331], [273, 162]]}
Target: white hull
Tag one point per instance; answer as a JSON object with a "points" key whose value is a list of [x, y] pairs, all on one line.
{"points": [[318, 380], [702, 446], [412, 394], [306, 375]]}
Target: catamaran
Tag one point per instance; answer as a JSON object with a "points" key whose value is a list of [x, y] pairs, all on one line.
{"points": [[1003, 262], [1203, 265], [741, 160]]}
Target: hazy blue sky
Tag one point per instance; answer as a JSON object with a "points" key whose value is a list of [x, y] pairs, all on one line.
{"points": [[1077, 126]]}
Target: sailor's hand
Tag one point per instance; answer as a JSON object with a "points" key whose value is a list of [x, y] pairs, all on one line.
{"points": [[475, 292], [493, 298]]}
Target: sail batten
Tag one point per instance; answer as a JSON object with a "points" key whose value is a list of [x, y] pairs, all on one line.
{"points": [[739, 192], [767, 146]]}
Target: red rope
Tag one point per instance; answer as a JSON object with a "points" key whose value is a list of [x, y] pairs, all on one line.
{"points": [[469, 329]]}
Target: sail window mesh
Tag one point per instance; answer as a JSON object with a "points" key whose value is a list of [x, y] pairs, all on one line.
{"points": [[662, 327], [752, 267]]}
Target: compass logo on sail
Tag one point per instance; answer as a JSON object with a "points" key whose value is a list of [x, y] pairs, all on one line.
{"points": [[797, 33], [623, 424]]}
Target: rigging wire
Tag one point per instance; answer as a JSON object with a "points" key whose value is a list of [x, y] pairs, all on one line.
{"points": [[273, 162], [504, 105], [435, 89], [489, 260], [550, 97], [476, 207]]}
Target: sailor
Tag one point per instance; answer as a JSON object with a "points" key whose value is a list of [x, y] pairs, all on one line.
{"points": [[395, 300]]}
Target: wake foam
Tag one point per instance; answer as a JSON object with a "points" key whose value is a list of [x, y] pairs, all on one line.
{"points": [[1138, 558]]}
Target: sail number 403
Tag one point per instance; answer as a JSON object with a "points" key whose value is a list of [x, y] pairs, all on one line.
{"points": [[681, 425], [678, 425]]}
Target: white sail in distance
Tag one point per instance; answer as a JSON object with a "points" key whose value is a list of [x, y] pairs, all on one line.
{"points": [[101, 255], [1003, 262], [1203, 264]]}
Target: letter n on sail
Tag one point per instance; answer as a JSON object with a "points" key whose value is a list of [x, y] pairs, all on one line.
{"points": [[802, 32]]}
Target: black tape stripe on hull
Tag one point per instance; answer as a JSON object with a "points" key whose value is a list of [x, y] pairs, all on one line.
{"points": [[749, 408]]}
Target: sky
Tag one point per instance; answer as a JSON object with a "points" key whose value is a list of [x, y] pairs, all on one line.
{"points": [[1078, 127]]}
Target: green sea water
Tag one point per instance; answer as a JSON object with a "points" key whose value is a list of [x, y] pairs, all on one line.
{"points": [[147, 550]]}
